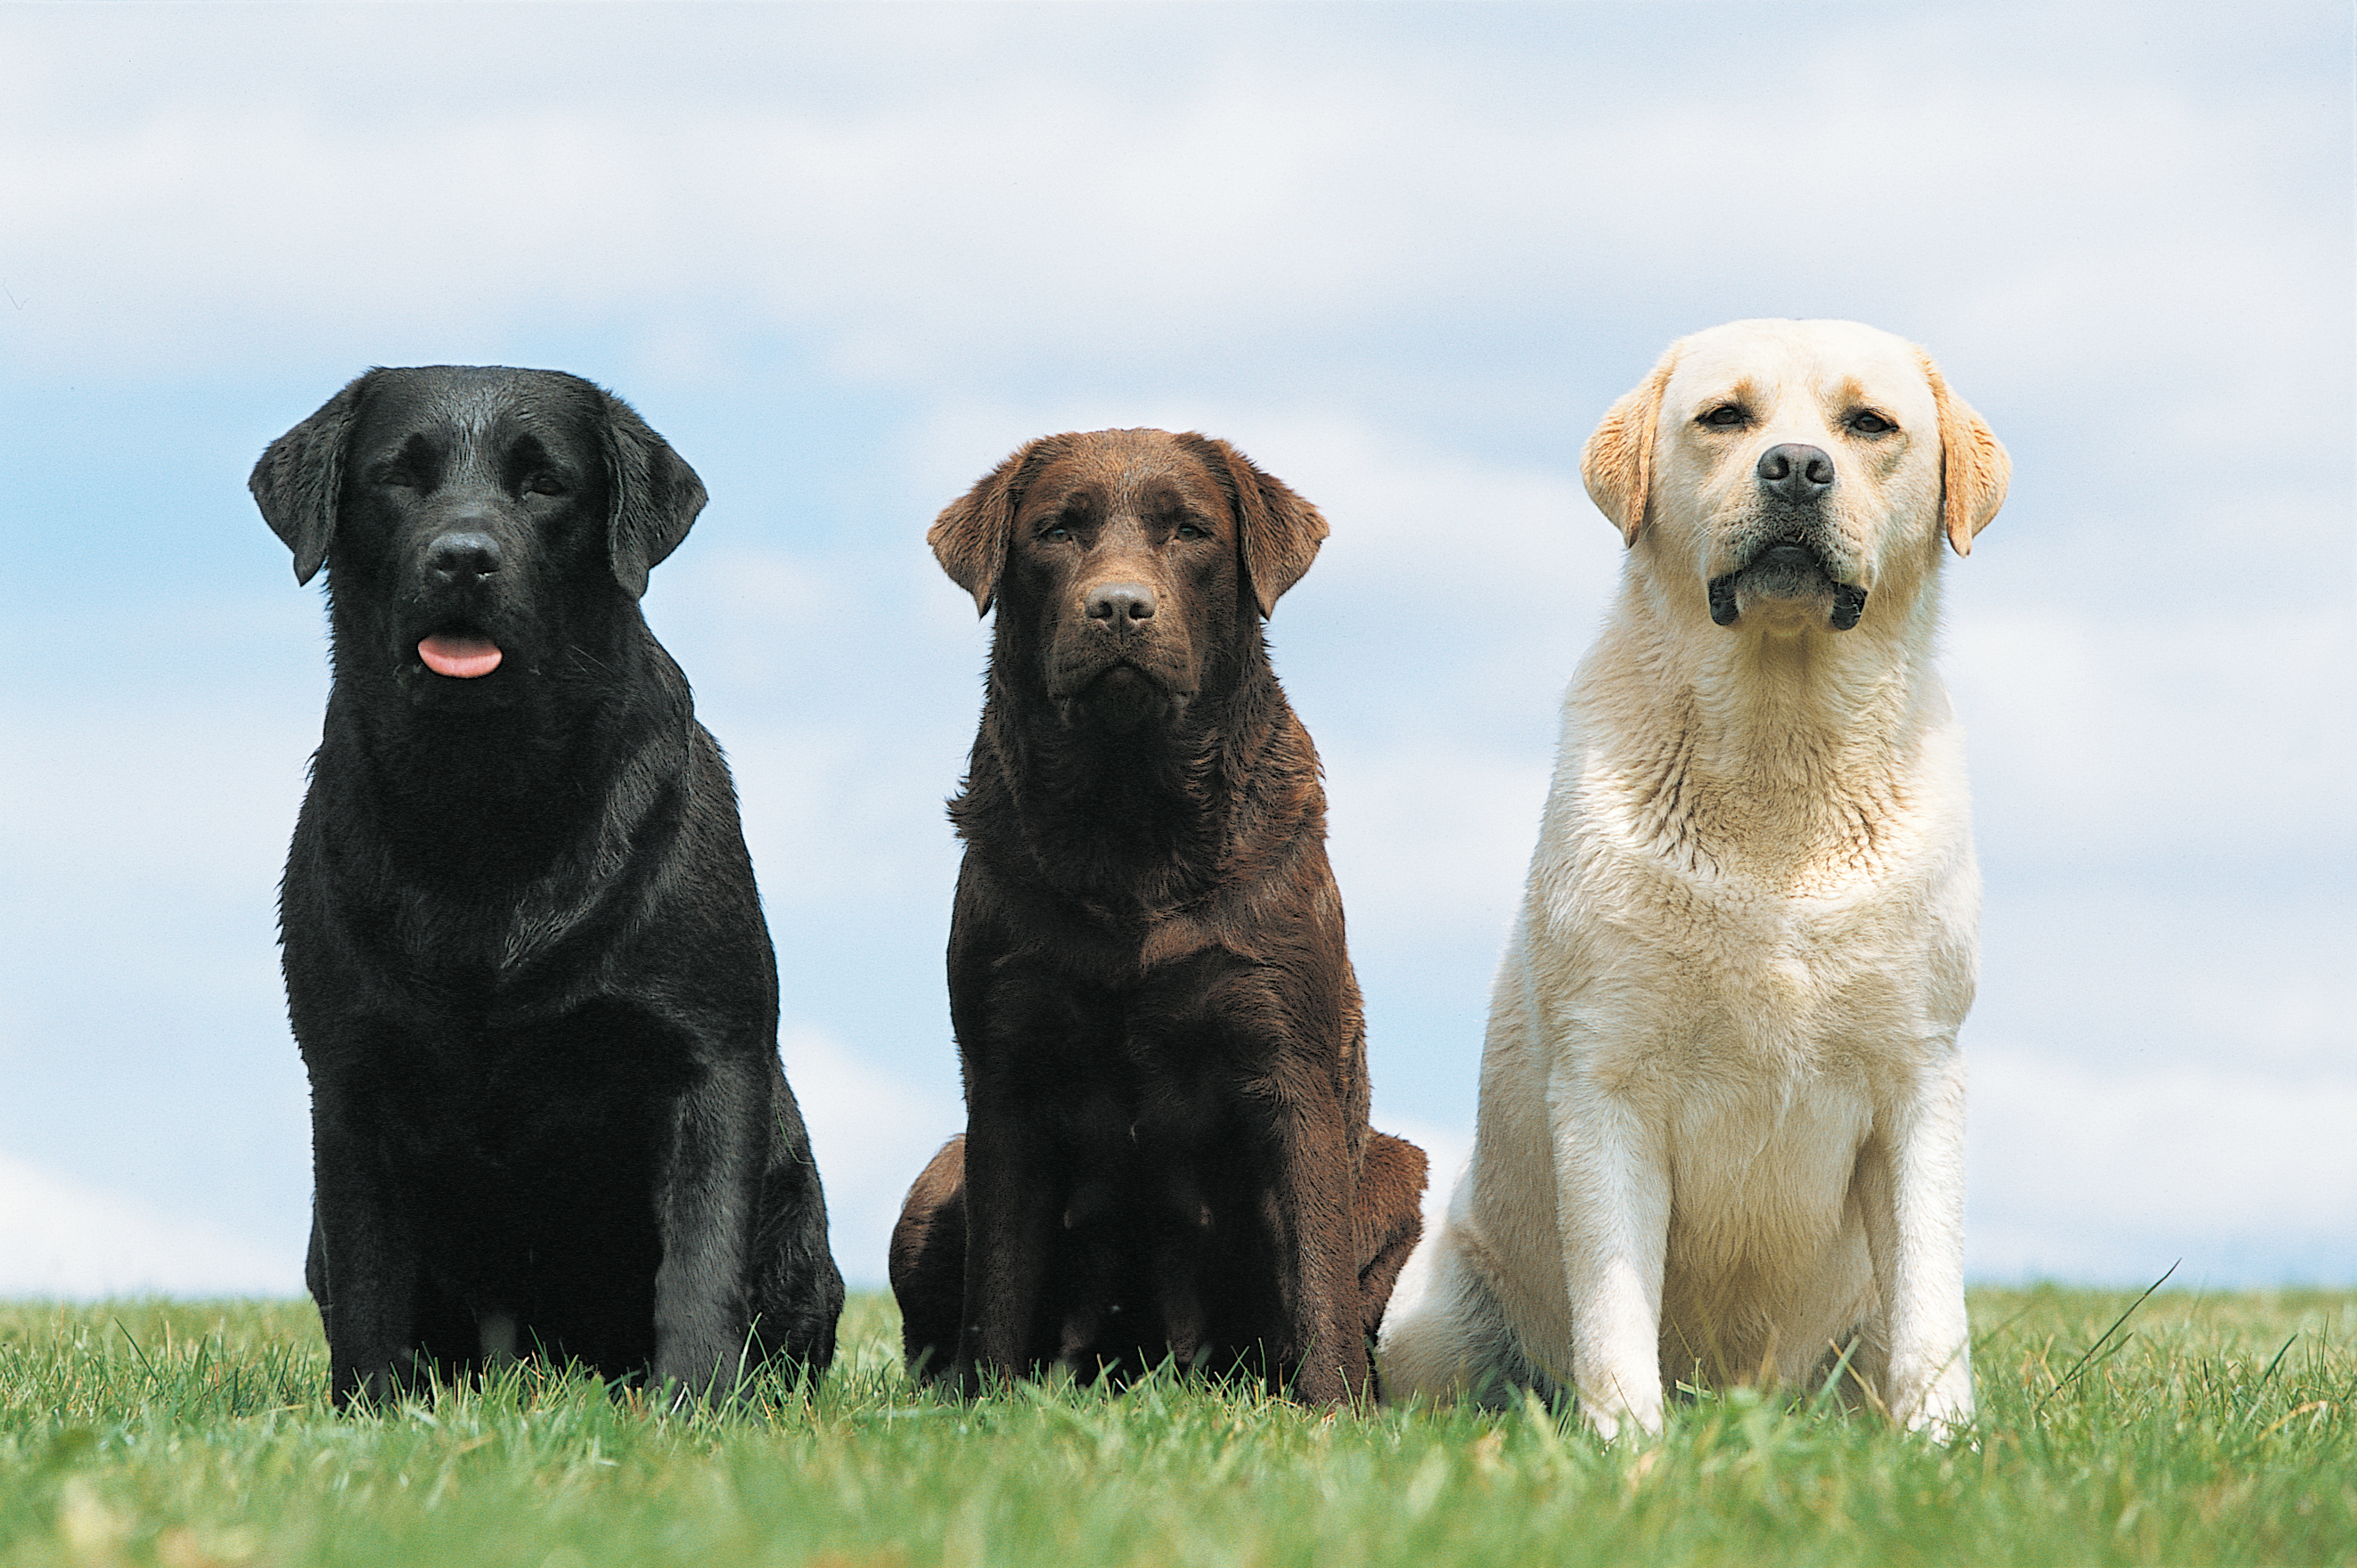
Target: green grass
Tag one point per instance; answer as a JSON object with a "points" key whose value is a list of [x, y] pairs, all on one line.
{"points": [[2207, 1429]]}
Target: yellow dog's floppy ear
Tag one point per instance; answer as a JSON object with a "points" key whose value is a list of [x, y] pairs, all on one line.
{"points": [[1973, 468], [1281, 531], [969, 539], [1618, 463]]}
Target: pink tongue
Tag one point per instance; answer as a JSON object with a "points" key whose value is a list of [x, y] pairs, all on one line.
{"points": [[460, 657]]}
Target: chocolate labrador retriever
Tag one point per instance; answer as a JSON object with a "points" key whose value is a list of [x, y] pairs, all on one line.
{"points": [[524, 958], [1166, 1150]]}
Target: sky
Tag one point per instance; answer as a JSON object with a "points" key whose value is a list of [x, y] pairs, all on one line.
{"points": [[847, 257]]}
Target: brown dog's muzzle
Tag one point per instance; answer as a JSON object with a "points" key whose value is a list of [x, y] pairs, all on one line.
{"points": [[1119, 655], [1120, 607]]}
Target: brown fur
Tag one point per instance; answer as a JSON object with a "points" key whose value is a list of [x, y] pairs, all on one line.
{"points": [[1167, 1152]]}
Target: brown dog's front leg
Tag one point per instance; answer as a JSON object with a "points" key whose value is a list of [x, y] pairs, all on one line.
{"points": [[1324, 1357], [1009, 1209]]}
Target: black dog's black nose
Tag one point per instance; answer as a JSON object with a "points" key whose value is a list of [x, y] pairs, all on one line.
{"points": [[462, 557], [1120, 603], [1792, 472]]}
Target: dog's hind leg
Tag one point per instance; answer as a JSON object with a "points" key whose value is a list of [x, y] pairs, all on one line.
{"points": [[1387, 1218], [1449, 1340], [799, 1291], [927, 1262]]}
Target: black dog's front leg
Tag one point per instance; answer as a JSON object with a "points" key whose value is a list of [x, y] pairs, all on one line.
{"points": [[362, 1269], [706, 1200]]}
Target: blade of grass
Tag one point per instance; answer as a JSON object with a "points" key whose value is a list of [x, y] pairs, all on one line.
{"points": [[2081, 1364], [2260, 1388], [1833, 1379], [154, 1379]]}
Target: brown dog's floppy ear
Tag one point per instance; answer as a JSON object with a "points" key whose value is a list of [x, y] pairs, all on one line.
{"points": [[969, 539], [656, 495], [1973, 468], [1282, 532], [301, 476], [1617, 462]]}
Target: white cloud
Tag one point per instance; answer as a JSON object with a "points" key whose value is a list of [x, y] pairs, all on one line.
{"points": [[2112, 734], [1123, 197], [2113, 1173], [60, 1238]]}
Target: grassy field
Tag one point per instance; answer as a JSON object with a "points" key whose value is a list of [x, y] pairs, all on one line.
{"points": [[2206, 1430]]}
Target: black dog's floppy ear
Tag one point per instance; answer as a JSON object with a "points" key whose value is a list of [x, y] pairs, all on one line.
{"points": [[969, 539], [656, 496], [1282, 532], [301, 476]]}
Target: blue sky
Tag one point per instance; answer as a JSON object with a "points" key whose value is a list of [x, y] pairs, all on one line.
{"points": [[845, 257]]}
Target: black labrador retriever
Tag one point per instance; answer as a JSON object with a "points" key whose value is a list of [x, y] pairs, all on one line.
{"points": [[525, 961]]}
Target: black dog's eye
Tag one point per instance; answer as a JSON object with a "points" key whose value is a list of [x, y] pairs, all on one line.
{"points": [[546, 484], [1726, 416], [1865, 422]]}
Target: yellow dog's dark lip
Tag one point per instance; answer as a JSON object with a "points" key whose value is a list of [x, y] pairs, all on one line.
{"points": [[1848, 599]]}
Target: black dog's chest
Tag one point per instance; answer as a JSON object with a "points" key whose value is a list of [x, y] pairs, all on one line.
{"points": [[571, 1098]]}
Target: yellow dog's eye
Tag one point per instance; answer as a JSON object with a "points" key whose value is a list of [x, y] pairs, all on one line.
{"points": [[1726, 416], [1865, 422]]}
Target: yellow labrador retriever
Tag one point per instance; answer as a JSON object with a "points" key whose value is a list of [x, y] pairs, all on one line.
{"points": [[1722, 1113]]}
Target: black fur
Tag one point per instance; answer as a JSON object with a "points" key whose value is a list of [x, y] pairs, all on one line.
{"points": [[525, 959]]}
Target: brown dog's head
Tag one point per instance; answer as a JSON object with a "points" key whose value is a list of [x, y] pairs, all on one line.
{"points": [[1128, 565]]}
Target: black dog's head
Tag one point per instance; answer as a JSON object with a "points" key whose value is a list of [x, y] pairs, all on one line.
{"points": [[476, 522], [1130, 566]]}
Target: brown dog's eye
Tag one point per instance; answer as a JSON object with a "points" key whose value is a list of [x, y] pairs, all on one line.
{"points": [[1865, 422], [1056, 532], [1191, 531], [1726, 416]]}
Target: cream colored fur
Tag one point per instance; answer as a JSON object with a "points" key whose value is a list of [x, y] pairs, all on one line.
{"points": [[1722, 1109]]}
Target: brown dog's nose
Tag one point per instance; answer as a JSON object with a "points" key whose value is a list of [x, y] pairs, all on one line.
{"points": [[1118, 604], [1795, 473]]}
